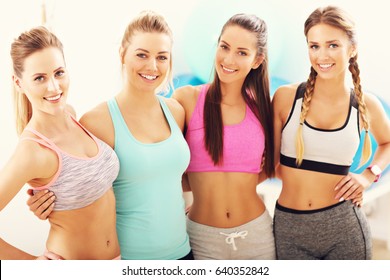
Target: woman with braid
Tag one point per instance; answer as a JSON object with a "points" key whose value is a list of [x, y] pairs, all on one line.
{"points": [[317, 132]]}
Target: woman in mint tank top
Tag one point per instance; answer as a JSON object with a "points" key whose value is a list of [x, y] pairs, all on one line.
{"points": [[145, 130]]}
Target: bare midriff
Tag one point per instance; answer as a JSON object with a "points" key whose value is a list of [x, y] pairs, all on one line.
{"points": [[224, 199], [85, 233], [307, 190]]}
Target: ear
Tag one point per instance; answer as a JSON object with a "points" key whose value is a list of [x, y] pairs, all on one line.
{"points": [[122, 52], [353, 51], [258, 61], [17, 82]]}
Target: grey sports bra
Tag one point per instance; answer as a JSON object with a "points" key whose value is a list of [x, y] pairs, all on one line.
{"points": [[79, 181]]}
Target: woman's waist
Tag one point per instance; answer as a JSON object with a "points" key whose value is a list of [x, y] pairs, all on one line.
{"points": [[98, 217], [307, 190], [226, 213], [98, 243], [240, 181]]}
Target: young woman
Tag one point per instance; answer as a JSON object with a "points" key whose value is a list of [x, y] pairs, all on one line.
{"points": [[56, 153], [229, 132], [317, 133], [145, 130]]}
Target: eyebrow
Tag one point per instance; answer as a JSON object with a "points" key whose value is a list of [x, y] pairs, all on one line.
{"points": [[240, 48], [43, 74], [328, 42], [143, 50]]}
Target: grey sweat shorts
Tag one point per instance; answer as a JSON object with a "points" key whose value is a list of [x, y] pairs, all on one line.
{"points": [[251, 241]]}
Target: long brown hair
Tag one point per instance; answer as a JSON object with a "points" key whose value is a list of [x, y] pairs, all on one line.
{"points": [[26, 44], [255, 91], [337, 18]]}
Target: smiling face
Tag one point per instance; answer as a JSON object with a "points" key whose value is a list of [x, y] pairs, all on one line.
{"points": [[44, 81], [147, 60], [329, 51], [236, 54]]}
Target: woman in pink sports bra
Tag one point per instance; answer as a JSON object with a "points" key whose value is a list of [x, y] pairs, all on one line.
{"points": [[55, 152], [229, 132]]}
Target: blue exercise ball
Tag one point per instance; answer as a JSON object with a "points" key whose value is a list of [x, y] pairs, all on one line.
{"points": [[183, 80]]}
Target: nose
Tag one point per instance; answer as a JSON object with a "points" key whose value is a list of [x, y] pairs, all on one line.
{"points": [[323, 53], [152, 64], [53, 85], [229, 58]]}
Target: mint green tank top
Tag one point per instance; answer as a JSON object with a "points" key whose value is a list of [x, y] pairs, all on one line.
{"points": [[150, 219]]}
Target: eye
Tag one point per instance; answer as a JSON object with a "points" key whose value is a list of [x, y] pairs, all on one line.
{"points": [[60, 73], [162, 57], [141, 55], [241, 53], [333, 46], [39, 78], [313, 47], [223, 46]]}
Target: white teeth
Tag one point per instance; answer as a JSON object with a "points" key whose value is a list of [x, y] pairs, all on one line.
{"points": [[54, 98], [149, 77], [326, 65], [228, 70]]}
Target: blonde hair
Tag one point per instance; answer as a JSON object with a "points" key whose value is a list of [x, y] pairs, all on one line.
{"points": [[26, 44], [149, 22], [337, 18]]}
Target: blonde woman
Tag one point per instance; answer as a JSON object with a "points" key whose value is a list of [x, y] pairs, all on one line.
{"points": [[317, 133], [145, 130], [57, 153]]}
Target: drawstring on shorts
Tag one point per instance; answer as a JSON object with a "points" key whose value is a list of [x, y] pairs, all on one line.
{"points": [[231, 236]]}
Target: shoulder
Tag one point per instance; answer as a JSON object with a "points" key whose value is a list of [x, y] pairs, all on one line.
{"points": [[173, 105], [176, 110], [71, 110], [34, 159], [378, 119], [372, 102], [98, 122], [375, 109], [187, 95], [100, 112], [285, 95]]}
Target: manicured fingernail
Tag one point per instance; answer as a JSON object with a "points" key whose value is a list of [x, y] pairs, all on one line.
{"points": [[341, 199]]}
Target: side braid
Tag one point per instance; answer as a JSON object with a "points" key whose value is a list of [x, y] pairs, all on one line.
{"points": [[354, 69], [299, 144]]}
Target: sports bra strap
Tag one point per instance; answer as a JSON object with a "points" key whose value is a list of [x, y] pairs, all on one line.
{"points": [[40, 141], [50, 145]]}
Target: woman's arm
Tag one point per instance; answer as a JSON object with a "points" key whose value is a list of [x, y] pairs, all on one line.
{"points": [[352, 186], [29, 161]]}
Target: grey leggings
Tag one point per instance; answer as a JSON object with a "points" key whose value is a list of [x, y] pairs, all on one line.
{"points": [[337, 232]]}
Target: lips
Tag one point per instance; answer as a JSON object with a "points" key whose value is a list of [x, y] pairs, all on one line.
{"points": [[149, 77], [53, 98], [228, 70], [325, 66]]}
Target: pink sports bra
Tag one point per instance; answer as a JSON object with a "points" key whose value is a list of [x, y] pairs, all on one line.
{"points": [[79, 181], [243, 143]]}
